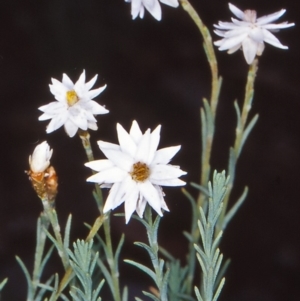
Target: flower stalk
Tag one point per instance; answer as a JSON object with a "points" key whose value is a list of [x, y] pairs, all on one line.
{"points": [[243, 129], [159, 276], [102, 219], [208, 116]]}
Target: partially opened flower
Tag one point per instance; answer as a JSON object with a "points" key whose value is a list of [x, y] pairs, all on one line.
{"points": [[250, 33], [152, 6], [135, 171], [74, 107], [39, 161], [43, 176]]}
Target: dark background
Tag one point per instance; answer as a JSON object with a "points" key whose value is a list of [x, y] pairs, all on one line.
{"points": [[156, 73]]}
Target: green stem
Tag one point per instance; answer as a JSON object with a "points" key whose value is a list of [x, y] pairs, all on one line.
{"points": [[209, 51], [249, 92], [69, 273], [152, 238], [52, 216], [85, 138], [111, 261], [238, 144], [208, 133], [42, 225], [215, 91]]}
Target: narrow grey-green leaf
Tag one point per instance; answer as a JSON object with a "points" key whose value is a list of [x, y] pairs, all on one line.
{"points": [[125, 294], [198, 295], [97, 290], [217, 293], [106, 274], [67, 232], [142, 268], [201, 188], [118, 251], [146, 247], [28, 278], [235, 208], [247, 131], [154, 298], [164, 285], [45, 260]]}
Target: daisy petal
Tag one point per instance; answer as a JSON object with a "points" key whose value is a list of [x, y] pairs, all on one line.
{"points": [[135, 132], [271, 39], [91, 83], [57, 122], [140, 207], [120, 159], [154, 141], [93, 93], [111, 201], [170, 182], [249, 50], [99, 165], [236, 11], [167, 172], [70, 128], [127, 144], [173, 3], [164, 155], [153, 8], [66, 81], [109, 175], [151, 195], [142, 153], [270, 18]]}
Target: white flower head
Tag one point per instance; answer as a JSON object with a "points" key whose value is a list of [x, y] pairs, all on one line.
{"points": [[135, 171], [74, 107], [250, 33], [40, 159], [152, 6]]}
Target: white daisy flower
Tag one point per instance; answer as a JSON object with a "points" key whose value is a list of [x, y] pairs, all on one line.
{"points": [[40, 159], [74, 107], [250, 33], [152, 6], [135, 171]]}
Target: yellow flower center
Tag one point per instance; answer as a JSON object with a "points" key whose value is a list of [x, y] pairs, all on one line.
{"points": [[72, 98], [140, 172]]}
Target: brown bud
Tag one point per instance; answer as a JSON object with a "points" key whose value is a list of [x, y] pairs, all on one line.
{"points": [[45, 184]]}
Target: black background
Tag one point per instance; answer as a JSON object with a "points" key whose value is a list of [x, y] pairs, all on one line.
{"points": [[155, 73]]}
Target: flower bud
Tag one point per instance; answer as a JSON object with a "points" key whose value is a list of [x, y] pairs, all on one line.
{"points": [[43, 176], [40, 159]]}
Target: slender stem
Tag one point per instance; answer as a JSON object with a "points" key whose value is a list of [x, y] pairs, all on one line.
{"points": [[52, 216], [85, 138], [42, 225], [208, 135], [215, 91], [152, 238], [249, 92], [69, 273], [111, 261], [238, 144], [209, 51]]}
